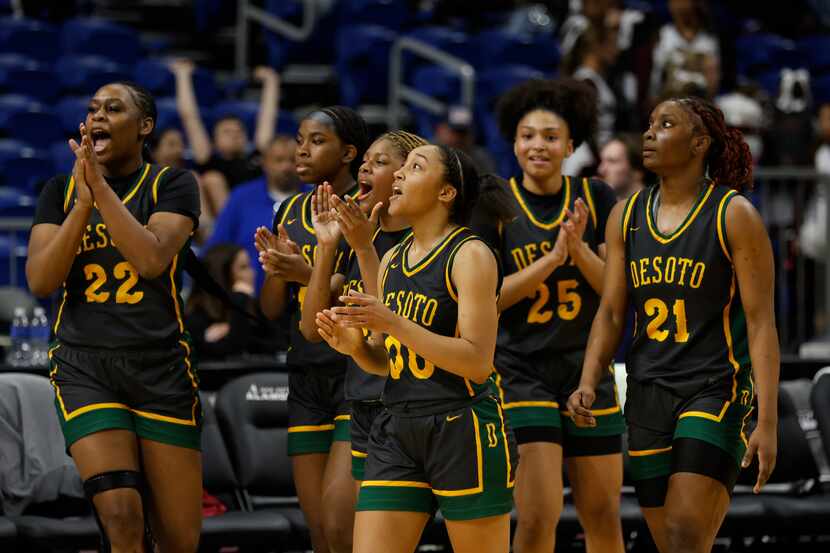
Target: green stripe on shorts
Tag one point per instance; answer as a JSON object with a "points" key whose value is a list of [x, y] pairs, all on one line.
{"points": [[520, 416], [309, 441]]}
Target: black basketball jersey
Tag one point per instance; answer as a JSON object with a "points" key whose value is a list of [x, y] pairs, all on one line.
{"points": [[360, 385], [302, 354], [559, 314], [424, 294], [106, 303], [690, 327]]}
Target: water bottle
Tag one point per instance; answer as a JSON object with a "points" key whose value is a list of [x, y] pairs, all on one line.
{"points": [[20, 351], [39, 331]]}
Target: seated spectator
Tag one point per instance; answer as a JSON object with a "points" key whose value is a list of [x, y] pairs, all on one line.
{"points": [[686, 51], [217, 330], [621, 165], [167, 148], [590, 60], [456, 131], [228, 160], [254, 203]]}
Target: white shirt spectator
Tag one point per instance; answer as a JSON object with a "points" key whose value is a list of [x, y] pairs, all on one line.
{"points": [[672, 42]]}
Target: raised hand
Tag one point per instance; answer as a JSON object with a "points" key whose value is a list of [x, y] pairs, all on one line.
{"points": [[342, 339], [181, 66], [285, 260], [264, 240], [355, 226], [575, 224], [264, 73], [324, 218]]}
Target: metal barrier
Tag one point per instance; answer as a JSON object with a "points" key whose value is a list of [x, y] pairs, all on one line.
{"points": [[802, 287], [400, 92], [247, 13]]}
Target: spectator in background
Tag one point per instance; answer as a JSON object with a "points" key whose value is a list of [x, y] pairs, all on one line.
{"points": [[229, 159], [590, 59], [686, 51], [743, 112], [255, 202], [813, 232], [456, 131], [218, 330], [621, 165], [168, 148]]}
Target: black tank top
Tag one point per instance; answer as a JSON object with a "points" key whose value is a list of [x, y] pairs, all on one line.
{"points": [[690, 328], [425, 295], [106, 304]]}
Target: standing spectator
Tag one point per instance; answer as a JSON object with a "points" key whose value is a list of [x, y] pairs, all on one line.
{"points": [[813, 232], [456, 131], [229, 159], [621, 165], [592, 56], [255, 202], [687, 47]]}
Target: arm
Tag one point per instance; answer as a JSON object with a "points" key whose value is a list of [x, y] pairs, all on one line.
{"points": [[608, 324], [369, 354], [188, 107], [268, 108], [53, 243], [589, 263], [358, 230], [469, 355], [752, 258], [524, 283]]}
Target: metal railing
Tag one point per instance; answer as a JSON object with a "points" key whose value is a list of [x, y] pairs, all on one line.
{"points": [[247, 13], [399, 92], [802, 287]]}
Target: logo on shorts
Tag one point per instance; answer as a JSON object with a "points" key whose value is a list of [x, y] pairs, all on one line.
{"points": [[289, 221], [745, 397], [266, 393], [450, 419], [393, 266], [492, 439]]}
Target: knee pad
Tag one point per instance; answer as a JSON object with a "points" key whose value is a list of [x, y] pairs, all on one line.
{"points": [[112, 480]]}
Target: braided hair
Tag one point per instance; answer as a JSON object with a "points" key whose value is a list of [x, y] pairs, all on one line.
{"points": [[146, 105], [350, 128], [404, 142], [728, 160]]}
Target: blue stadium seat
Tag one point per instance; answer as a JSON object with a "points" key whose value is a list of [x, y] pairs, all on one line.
{"points": [[26, 76], [11, 103], [11, 148], [204, 84], [492, 83], [38, 128], [14, 203], [495, 48], [27, 172], [363, 63], [72, 112], [318, 49], [447, 39], [821, 89], [815, 51], [62, 157], [763, 52], [95, 37], [245, 110], [35, 39], [287, 123], [155, 76], [388, 13], [168, 114], [86, 74]]}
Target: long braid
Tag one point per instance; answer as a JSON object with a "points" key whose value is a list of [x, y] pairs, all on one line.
{"points": [[729, 159]]}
